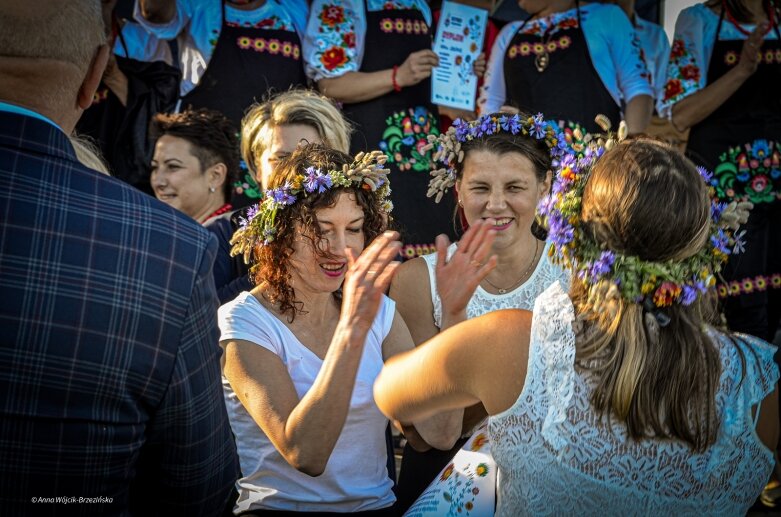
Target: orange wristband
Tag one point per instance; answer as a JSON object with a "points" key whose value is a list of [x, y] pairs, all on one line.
{"points": [[396, 86]]}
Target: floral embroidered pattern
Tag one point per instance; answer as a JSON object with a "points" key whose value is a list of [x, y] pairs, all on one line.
{"points": [[247, 186], [683, 73], [403, 26], [411, 251], [272, 22], [538, 27], [768, 57], [336, 40], [271, 46], [749, 172], [405, 137], [749, 285], [527, 48]]}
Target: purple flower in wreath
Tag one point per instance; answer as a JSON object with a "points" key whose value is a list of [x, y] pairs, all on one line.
{"points": [[282, 195], [716, 209], [316, 180], [252, 211], [560, 232], [706, 175], [486, 126], [720, 241], [688, 294], [546, 205], [602, 265], [538, 127], [462, 129]]}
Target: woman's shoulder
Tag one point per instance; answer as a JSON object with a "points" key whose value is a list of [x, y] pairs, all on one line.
{"points": [[747, 364]]}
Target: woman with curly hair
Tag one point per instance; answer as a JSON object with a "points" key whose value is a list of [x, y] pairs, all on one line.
{"points": [[196, 156], [302, 349], [617, 397]]}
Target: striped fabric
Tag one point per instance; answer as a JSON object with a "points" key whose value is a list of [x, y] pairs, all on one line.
{"points": [[109, 356]]}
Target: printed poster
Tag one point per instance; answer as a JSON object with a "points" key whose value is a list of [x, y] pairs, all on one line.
{"points": [[458, 42]]}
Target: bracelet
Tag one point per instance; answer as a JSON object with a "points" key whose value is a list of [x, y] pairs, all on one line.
{"points": [[396, 86]]}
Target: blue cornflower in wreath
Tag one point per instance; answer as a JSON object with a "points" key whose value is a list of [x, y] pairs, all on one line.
{"points": [[751, 172], [405, 139]]}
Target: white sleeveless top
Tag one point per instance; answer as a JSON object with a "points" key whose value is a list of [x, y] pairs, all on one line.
{"points": [[556, 457], [482, 302], [356, 475]]}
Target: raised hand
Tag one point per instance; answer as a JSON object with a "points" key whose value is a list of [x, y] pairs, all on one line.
{"points": [[458, 278], [416, 67], [749, 55], [368, 277]]}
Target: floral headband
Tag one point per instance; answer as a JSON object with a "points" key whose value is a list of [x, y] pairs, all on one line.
{"points": [[449, 151], [259, 225], [655, 285]]}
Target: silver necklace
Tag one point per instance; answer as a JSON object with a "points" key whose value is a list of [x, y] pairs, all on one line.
{"points": [[505, 290]]}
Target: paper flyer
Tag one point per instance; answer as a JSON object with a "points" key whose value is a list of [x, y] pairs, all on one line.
{"points": [[458, 42]]}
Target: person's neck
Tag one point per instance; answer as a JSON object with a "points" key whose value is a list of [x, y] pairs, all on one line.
{"points": [[757, 10], [556, 6], [317, 307], [209, 209], [512, 261], [246, 5]]}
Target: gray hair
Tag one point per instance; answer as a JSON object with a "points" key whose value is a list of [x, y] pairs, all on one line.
{"points": [[62, 30]]}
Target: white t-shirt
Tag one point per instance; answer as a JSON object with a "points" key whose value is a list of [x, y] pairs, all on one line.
{"points": [[136, 43], [197, 23], [612, 46], [356, 476]]}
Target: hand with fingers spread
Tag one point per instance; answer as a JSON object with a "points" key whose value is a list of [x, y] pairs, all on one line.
{"points": [[458, 277], [749, 55], [367, 279], [417, 67]]}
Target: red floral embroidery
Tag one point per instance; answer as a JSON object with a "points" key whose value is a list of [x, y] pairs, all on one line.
{"points": [[691, 72], [332, 15], [678, 49], [672, 88], [333, 58], [348, 39]]}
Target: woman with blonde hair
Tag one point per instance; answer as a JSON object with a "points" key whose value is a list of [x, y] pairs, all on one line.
{"points": [[270, 131], [618, 396]]}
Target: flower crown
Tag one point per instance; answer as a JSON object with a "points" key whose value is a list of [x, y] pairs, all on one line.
{"points": [[449, 151], [259, 226], [655, 285]]}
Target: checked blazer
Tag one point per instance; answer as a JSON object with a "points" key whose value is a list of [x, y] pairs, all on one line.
{"points": [[109, 355]]}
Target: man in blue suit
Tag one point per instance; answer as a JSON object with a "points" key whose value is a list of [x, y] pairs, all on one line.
{"points": [[110, 396]]}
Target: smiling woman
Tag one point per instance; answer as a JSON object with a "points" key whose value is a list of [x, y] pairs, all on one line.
{"points": [[302, 349], [502, 175], [196, 155]]}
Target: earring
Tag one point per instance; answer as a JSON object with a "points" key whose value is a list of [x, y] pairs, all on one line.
{"points": [[460, 203], [212, 189]]}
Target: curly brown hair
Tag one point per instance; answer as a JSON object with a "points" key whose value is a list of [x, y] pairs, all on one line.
{"points": [[271, 269], [212, 136]]}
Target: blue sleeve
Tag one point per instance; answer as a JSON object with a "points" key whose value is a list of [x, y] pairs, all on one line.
{"points": [[630, 69], [190, 454]]}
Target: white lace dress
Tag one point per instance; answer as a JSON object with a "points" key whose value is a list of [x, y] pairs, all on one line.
{"points": [[556, 457], [482, 302]]}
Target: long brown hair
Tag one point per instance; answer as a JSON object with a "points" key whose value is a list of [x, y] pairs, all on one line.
{"points": [[647, 200], [271, 269]]}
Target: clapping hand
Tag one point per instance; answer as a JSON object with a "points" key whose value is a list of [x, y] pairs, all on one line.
{"points": [[749, 55], [458, 278], [367, 279]]}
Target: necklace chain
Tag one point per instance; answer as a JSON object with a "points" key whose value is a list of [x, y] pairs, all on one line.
{"points": [[505, 290]]}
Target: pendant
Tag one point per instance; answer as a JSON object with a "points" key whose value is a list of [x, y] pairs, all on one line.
{"points": [[541, 61], [502, 291]]}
